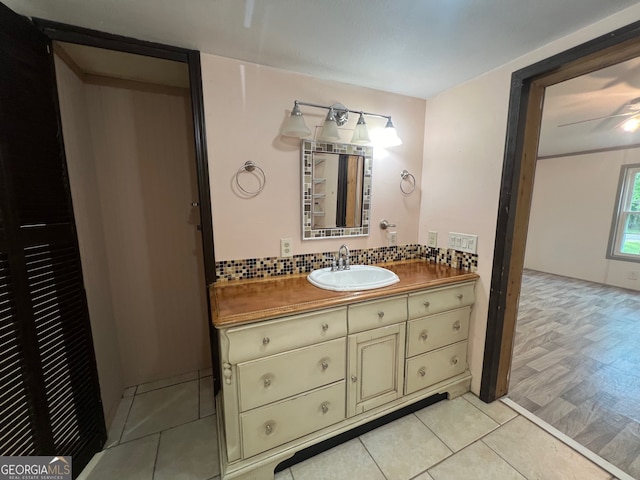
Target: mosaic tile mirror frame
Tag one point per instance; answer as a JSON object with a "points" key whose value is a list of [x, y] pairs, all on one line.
{"points": [[316, 194]]}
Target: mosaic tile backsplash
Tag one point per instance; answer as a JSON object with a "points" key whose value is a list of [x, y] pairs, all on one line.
{"points": [[278, 266]]}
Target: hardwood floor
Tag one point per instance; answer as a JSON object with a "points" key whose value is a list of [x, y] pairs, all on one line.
{"points": [[576, 363]]}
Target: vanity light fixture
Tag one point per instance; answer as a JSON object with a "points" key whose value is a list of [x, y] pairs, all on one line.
{"points": [[631, 125], [295, 126], [390, 137], [360, 133], [337, 116], [329, 132]]}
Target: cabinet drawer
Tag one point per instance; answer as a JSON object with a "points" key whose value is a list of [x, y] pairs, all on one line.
{"points": [[440, 299], [379, 313], [433, 367], [273, 425], [276, 336], [286, 374], [435, 331]]}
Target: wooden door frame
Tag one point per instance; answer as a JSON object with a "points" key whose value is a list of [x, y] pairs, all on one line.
{"points": [[523, 131], [93, 38]]}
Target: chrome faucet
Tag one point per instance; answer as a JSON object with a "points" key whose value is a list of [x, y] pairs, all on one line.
{"points": [[343, 257]]}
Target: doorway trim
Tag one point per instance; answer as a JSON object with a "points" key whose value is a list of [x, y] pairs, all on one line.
{"points": [[523, 132], [93, 38]]}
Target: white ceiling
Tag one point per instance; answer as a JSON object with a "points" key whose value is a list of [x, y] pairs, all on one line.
{"points": [[413, 47], [585, 103]]}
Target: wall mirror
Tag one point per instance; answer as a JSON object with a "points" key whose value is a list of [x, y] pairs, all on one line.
{"points": [[336, 190]]}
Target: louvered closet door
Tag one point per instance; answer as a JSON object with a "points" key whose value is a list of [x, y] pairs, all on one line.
{"points": [[49, 393]]}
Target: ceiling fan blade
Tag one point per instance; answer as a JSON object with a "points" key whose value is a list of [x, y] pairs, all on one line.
{"points": [[597, 118]]}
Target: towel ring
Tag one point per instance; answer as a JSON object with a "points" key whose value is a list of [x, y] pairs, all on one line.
{"points": [[409, 178], [251, 167]]}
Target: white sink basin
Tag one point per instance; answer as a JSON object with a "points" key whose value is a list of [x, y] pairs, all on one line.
{"points": [[358, 277]]}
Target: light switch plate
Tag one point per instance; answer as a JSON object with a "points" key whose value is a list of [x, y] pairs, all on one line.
{"points": [[432, 240], [286, 247], [463, 242]]}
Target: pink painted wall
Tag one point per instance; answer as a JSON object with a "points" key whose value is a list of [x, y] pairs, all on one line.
{"points": [[245, 105], [465, 131]]}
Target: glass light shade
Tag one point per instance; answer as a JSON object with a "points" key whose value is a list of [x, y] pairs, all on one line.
{"points": [[294, 126], [631, 125], [389, 137], [329, 130], [361, 133]]}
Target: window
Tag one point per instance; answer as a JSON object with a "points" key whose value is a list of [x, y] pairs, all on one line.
{"points": [[624, 241]]}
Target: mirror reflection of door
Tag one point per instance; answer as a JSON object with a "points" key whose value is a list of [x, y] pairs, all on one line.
{"points": [[338, 189]]}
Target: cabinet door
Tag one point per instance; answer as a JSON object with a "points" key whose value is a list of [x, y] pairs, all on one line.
{"points": [[376, 368]]}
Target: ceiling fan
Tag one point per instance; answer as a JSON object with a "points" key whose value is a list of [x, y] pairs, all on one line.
{"points": [[629, 109]]}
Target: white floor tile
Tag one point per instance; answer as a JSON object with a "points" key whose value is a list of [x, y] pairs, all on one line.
{"points": [[166, 382], [161, 409], [129, 392], [349, 461], [189, 452], [404, 448], [84, 474], [537, 454], [207, 401], [130, 461], [497, 410], [456, 422], [284, 475], [118, 422], [424, 476], [477, 461]]}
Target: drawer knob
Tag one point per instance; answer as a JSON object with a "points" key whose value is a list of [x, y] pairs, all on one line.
{"points": [[426, 304], [354, 379], [324, 407], [456, 326], [324, 365], [267, 382], [454, 361], [268, 429], [459, 296], [380, 314], [265, 341], [422, 372], [424, 335], [325, 327]]}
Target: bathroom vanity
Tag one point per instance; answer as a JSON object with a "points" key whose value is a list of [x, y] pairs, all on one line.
{"points": [[301, 364]]}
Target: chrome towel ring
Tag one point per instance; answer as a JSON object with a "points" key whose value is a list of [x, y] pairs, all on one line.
{"points": [[251, 167], [408, 177]]}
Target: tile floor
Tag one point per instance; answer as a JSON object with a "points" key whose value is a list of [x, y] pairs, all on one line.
{"points": [[167, 431], [575, 363]]}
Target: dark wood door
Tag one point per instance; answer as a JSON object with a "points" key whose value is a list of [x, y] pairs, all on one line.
{"points": [[49, 392]]}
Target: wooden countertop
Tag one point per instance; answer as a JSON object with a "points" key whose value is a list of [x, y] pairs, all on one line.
{"points": [[245, 301]]}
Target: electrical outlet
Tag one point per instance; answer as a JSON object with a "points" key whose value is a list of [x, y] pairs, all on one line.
{"points": [[633, 275], [392, 238], [286, 247], [463, 242], [432, 240]]}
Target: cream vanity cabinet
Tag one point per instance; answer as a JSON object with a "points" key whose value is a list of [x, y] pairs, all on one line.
{"points": [[437, 333], [376, 353], [291, 382]]}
